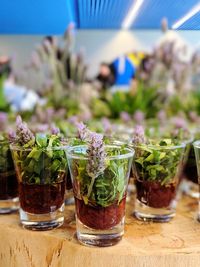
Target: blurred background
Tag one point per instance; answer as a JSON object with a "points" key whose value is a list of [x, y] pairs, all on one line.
{"points": [[74, 60]]}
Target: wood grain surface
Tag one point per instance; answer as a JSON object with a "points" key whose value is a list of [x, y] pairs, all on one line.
{"points": [[176, 243]]}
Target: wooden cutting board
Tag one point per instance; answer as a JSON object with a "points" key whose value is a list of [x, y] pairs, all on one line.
{"points": [[176, 243]]}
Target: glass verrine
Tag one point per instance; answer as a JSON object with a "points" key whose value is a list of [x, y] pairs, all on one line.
{"points": [[196, 146], [9, 201], [100, 201], [190, 175], [69, 196], [41, 174], [156, 171]]}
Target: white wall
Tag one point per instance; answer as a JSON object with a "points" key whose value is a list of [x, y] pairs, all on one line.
{"points": [[19, 47], [106, 45], [99, 45]]}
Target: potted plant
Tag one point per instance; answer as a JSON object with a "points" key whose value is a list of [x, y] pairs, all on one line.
{"points": [[8, 180], [156, 169], [41, 168], [100, 175]]}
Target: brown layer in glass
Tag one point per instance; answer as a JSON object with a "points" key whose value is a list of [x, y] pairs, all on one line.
{"points": [[100, 218], [190, 169], [40, 199], [68, 181], [190, 172], [155, 195], [8, 185]]}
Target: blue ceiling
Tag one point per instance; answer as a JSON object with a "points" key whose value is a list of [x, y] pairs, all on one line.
{"points": [[35, 16], [53, 16]]}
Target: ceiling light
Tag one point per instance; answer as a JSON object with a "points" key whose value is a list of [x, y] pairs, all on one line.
{"points": [[190, 14], [132, 14]]}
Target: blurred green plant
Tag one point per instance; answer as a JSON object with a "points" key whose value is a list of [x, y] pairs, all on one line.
{"points": [[4, 106], [145, 100]]}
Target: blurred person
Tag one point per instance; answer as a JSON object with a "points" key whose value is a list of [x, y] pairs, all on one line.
{"points": [[106, 75], [124, 70], [17, 97], [146, 67], [121, 71]]}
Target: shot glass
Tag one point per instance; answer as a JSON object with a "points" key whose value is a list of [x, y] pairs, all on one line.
{"points": [[196, 146], [157, 171], [9, 201], [100, 200], [41, 174]]}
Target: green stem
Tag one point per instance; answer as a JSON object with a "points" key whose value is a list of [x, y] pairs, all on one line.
{"points": [[91, 186]]}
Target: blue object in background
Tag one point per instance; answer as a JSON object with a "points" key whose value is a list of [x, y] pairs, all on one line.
{"points": [[124, 70]]}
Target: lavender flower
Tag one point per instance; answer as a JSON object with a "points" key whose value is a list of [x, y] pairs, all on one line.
{"points": [[50, 112], [139, 136], [73, 120], [96, 158], [55, 130], [161, 115], [3, 120], [125, 117], [24, 134], [138, 117], [86, 116], [47, 46], [83, 132], [42, 128], [11, 135], [107, 126], [179, 123], [3, 117], [35, 60]]}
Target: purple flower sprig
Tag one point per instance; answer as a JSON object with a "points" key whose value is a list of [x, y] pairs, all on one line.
{"points": [[139, 117], [138, 139], [96, 158], [179, 123], [139, 136], [23, 133], [125, 117], [107, 126], [3, 121], [55, 130], [11, 136], [83, 131], [162, 116], [96, 152], [96, 155]]}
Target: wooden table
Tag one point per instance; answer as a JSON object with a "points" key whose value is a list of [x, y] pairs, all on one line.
{"points": [[176, 243]]}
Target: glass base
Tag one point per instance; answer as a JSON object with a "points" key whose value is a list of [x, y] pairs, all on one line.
{"points": [[99, 238], [9, 205], [42, 222], [146, 213], [191, 189]]}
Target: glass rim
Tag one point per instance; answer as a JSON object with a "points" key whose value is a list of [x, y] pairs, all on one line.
{"points": [[189, 140], [14, 147], [168, 147], [131, 152]]}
